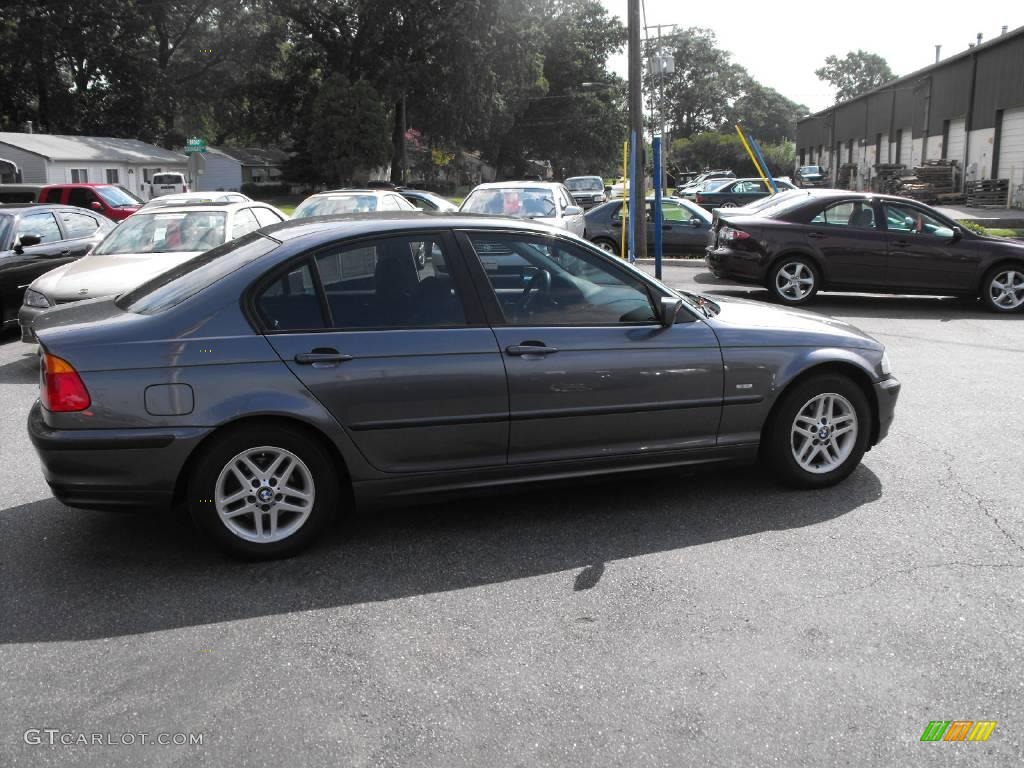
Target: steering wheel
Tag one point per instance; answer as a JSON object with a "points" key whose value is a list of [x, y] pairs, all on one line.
{"points": [[540, 284]]}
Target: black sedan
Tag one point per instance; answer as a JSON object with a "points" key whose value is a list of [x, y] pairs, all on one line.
{"points": [[37, 238], [738, 193], [811, 176], [684, 227], [272, 382], [836, 240]]}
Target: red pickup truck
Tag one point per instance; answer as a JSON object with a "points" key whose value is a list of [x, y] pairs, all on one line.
{"points": [[113, 201]]}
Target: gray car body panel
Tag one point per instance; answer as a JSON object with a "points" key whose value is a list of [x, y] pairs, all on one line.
{"points": [[612, 399]]}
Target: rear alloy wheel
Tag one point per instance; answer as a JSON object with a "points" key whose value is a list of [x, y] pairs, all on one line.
{"points": [[1003, 289], [819, 432], [728, 204], [793, 281], [262, 493], [606, 245]]}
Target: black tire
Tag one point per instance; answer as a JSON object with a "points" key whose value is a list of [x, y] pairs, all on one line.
{"points": [[606, 245], [727, 204], [777, 281], [988, 289], [216, 457], [779, 442]]}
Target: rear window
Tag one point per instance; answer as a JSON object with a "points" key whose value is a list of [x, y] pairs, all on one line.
{"points": [[168, 178], [186, 280]]}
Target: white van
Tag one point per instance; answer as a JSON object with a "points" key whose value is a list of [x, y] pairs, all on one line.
{"points": [[167, 184]]}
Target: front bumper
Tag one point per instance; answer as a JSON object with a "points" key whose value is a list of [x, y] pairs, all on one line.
{"points": [[112, 468], [887, 391]]}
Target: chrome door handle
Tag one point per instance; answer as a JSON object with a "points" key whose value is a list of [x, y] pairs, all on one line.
{"points": [[312, 358], [530, 349]]}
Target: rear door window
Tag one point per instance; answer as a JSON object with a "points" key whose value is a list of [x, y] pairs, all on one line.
{"points": [[78, 225], [42, 225]]}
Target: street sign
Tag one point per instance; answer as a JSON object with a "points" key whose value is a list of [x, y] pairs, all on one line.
{"points": [[195, 145]]}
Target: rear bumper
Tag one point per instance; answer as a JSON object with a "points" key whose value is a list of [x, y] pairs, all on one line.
{"points": [[887, 391], [26, 318], [743, 266], [112, 468]]}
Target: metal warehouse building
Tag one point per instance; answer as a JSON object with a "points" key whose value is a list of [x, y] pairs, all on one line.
{"points": [[967, 110]]}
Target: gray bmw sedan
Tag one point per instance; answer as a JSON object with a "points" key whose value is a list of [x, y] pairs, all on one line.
{"points": [[275, 381]]}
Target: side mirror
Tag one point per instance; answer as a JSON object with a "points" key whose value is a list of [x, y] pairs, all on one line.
{"points": [[694, 222], [573, 210], [957, 234], [668, 310], [96, 205], [27, 241]]}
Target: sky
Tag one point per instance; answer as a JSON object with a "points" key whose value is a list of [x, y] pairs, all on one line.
{"points": [[781, 44]]}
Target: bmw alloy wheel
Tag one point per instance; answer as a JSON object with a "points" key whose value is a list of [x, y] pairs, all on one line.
{"points": [[824, 433], [264, 494]]}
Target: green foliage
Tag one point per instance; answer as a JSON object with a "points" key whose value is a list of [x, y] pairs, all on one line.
{"points": [[348, 129], [711, 150], [972, 225], [855, 74]]}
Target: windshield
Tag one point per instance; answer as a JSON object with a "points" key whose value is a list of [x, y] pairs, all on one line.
{"points": [[511, 201], [166, 233], [712, 184], [335, 204], [117, 196], [783, 204], [811, 169], [586, 184]]}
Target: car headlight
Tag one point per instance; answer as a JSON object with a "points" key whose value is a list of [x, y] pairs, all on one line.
{"points": [[885, 365], [35, 299]]}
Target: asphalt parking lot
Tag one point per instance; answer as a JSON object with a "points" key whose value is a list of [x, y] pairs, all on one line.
{"points": [[664, 619]]}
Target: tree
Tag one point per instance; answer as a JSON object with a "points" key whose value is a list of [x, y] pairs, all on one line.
{"points": [[349, 129], [701, 91], [768, 115], [855, 74]]}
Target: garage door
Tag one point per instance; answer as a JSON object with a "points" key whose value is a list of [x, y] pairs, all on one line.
{"points": [[1011, 143], [906, 147], [957, 142]]}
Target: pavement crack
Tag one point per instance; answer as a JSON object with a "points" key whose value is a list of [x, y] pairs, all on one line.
{"points": [[982, 505], [903, 571]]}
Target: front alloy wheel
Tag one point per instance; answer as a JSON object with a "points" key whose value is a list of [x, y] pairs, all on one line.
{"points": [[818, 432], [793, 281], [1004, 289]]}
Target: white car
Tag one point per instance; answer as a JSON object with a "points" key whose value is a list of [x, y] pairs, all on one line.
{"points": [[143, 246], [195, 197], [167, 184], [544, 201]]}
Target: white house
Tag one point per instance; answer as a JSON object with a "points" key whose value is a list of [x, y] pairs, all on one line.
{"points": [[42, 158]]}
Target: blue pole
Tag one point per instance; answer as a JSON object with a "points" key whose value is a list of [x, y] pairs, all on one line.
{"points": [[634, 208], [657, 207], [764, 165]]}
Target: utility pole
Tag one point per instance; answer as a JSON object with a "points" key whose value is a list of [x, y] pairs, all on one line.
{"points": [[637, 182], [662, 65]]}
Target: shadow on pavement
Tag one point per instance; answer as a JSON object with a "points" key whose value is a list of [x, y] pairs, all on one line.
{"points": [[75, 575], [21, 370]]}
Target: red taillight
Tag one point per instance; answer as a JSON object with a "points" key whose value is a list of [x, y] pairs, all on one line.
{"points": [[728, 234], [61, 389], [700, 198]]}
